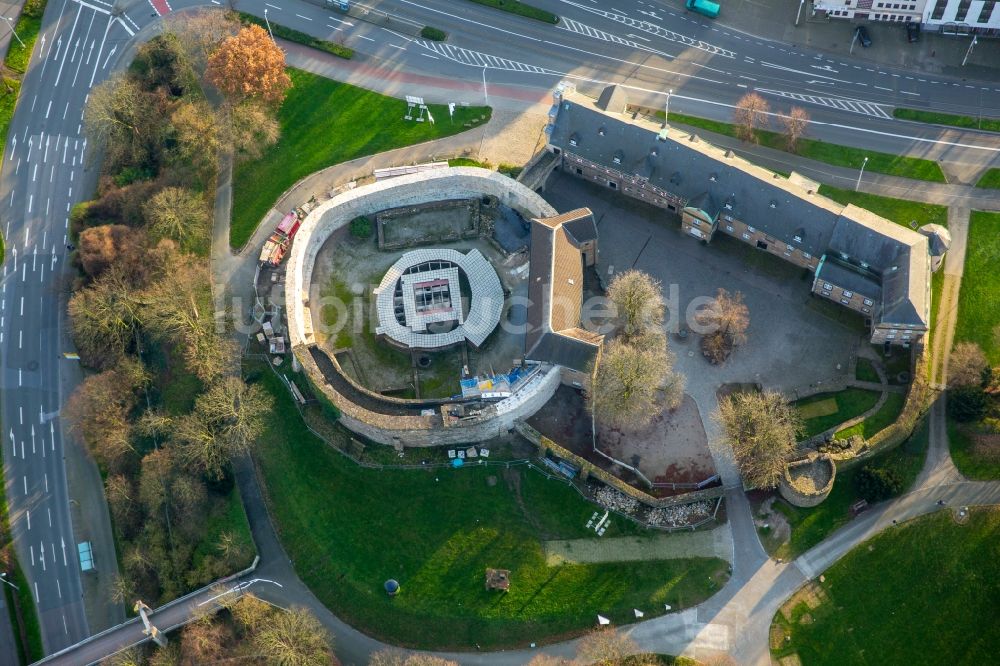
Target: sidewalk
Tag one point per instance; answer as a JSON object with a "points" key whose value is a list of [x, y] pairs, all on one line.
{"points": [[934, 53]]}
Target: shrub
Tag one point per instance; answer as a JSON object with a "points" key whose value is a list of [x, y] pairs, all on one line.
{"points": [[133, 174], [361, 227], [283, 32], [967, 403], [521, 9], [878, 483], [433, 34]]}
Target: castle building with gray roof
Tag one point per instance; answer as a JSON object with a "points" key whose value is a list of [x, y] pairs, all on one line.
{"points": [[858, 259]]}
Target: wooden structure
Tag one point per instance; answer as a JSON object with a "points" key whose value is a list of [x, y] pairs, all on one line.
{"points": [[498, 579]]}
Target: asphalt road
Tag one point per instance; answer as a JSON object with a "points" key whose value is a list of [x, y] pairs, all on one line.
{"points": [[648, 47]]}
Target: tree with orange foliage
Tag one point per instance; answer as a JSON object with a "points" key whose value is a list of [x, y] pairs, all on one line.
{"points": [[249, 65]]}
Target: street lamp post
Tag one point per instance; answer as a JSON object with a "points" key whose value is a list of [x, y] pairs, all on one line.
{"points": [[969, 52], [853, 42], [798, 15], [861, 173], [268, 26], [3, 577], [666, 110], [14, 32], [486, 95]]}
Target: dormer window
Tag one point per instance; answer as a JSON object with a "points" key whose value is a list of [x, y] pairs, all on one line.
{"points": [[864, 264], [773, 204], [729, 205], [654, 152], [845, 256], [714, 177], [601, 131], [617, 160], [797, 239], [574, 139]]}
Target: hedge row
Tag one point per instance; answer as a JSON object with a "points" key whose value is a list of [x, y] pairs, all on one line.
{"points": [[521, 9], [298, 37]]}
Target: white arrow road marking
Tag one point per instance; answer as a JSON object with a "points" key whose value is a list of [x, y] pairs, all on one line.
{"points": [[64, 550]]}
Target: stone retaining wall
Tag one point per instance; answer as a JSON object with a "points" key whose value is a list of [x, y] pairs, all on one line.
{"points": [[409, 190]]}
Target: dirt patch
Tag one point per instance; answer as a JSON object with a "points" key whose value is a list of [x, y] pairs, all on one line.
{"points": [[810, 478], [777, 636], [790, 660], [671, 448], [819, 408], [810, 594]]}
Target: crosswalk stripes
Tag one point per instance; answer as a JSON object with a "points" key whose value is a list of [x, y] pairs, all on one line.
{"points": [[479, 59], [583, 29], [842, 104]]}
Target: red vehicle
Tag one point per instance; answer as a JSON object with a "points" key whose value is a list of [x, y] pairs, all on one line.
{"points": [[277, 245]]}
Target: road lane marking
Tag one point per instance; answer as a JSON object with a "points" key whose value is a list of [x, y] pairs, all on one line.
{"points": [[48, 509], [25, 484], [27, 514], [32, 555], [304, 17], [36, 592], [41, 557], [363, 37], [58, 588]]}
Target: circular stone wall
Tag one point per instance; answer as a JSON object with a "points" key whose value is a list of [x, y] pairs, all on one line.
{"points": [[412, 189], [422, 290]]}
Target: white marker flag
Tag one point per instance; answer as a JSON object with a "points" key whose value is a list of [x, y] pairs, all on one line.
{"points": [[638, 613], [451, 110], [601, 620], [430, 117]]}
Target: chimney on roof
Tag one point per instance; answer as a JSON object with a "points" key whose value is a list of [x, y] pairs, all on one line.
{"points": [[730, 153], [693, 138]]}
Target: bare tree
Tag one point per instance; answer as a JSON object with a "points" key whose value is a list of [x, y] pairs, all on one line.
{"points": [[179, 214], [630, 377], [605, 647], [124, 120], [122, 590], [395, 657], [198, 141], [750, 114], [967, 366], [548, 660], [639, 301], [204, 641], [98, 410], [105, 317], [249, 129], [128, 657], [795, 124], [293, 638], [762, 430], [198, 33], [226, 420], [727, 319], [105, 245], [250, 612]]}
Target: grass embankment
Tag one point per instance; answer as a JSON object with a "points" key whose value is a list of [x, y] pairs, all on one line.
{"points": [[989, 180], [967, 455], [900, 211], [969, 122], [324, 122], [979, 298], [885, 416], [865, 371], [827, 410], [284, 32], [811, 526], [829, 153], [924, 592], [20, 602], [15, 65], [521, 9], [349, 529]]}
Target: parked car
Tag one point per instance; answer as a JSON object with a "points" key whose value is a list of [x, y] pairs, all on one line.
{"points": [[863, 36], [703, 7], [912, 32]]}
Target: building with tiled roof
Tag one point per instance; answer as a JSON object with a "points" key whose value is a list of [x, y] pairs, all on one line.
{"points": [[562, 247], [859, 259]]}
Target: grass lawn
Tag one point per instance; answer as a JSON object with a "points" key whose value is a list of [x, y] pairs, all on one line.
{"points": [[830, 153], [349, 529], [978, 309], [819, 415], [925, 593], [883, 418], [324, 122], [521, 9], [865, 371], [988, 124], [899, 211], [969, 461], [812, 525], [990, 179]]}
